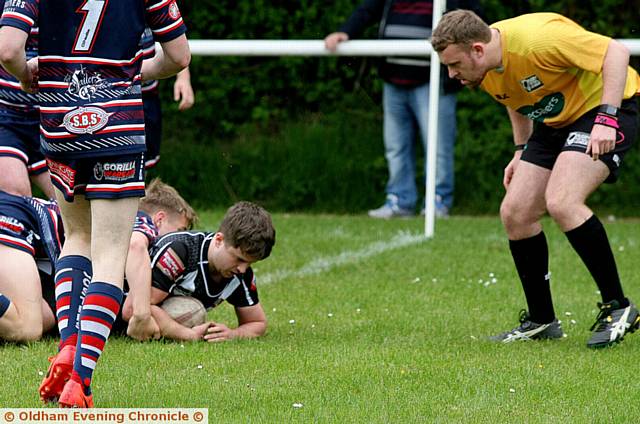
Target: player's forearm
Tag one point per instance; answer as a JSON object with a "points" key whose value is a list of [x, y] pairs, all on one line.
{"points": [[138, 274], [173, 57], [171, 329], [250, 330], [614, 73], [521, 126], [12, 53], [158, 68], [139, 280], [184, 75], [15, 63]]}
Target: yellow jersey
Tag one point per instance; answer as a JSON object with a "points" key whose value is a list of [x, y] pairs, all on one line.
{"points": [[551, 68]]}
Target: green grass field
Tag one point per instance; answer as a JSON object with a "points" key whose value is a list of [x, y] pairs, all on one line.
{"points": [[369, 322]]}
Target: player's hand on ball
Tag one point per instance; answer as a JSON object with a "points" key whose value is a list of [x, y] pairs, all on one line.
{"points": [[143, 328], [201, 329], [218, 332]]}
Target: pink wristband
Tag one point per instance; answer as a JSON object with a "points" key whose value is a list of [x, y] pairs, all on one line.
{"points": [[606, 120]]}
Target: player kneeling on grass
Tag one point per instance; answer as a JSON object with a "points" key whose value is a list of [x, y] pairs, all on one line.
{"points": [[213, 267], [161, 211], [31, 234], [30, 241]]}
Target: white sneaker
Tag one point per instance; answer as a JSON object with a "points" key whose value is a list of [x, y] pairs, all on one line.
{"points": [[441, 211], [390, 209]]}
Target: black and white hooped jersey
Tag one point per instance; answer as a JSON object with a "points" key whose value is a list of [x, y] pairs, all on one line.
{"points": [[12, 97], [89, 70], [180, 266]]}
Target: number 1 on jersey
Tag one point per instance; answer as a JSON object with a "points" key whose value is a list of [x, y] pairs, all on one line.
{"points": [[93, 11]]}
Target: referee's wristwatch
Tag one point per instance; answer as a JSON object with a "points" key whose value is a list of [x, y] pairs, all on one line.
{"points": [[608, 110]]}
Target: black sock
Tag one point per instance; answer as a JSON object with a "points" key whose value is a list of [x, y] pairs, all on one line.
{"points": [[531, 257], [591, 242]]}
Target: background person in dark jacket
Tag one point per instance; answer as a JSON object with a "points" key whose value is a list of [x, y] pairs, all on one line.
{"points": [[405, 101]]}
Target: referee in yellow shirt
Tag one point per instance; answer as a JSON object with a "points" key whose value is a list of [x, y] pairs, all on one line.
{"points": [[570, 96]]}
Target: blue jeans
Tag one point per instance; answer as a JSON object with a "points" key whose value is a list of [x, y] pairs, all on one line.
{"points": [[405, 113]]}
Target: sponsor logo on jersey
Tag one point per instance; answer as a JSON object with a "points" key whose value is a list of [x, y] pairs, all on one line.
{"points": [[114, 171], [170, 264], [15, 3], [85, 85], [11, 224], [577, 138], [62, 171], [531, 83], [174, 12], [547, 107], [85, 120]]}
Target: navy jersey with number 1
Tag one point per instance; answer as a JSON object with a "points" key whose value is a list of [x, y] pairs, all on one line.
{"points": [[89, 70]]}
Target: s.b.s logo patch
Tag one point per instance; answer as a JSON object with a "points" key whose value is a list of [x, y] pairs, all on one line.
{"points": [[85, 120]]}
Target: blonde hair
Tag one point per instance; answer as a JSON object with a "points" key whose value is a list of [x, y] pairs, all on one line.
{"points": [[461, 27], [161, 196]]}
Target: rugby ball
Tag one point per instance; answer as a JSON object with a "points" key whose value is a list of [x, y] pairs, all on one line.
{"points": [[185, 310]]}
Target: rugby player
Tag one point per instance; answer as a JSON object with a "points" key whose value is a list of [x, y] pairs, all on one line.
{"points": [[31, 237], [578, 90], [88, 72], [214, 267], [161, 211], [182, 92], [20, 156]]}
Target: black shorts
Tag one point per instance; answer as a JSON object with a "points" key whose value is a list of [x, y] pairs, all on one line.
{"points": [[48, 290], [16, 229], [20, 139], [103, 177], [152, 128], [546, 143]]}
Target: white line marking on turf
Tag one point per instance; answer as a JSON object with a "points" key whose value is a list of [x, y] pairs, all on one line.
{"points": [[324, 264]]}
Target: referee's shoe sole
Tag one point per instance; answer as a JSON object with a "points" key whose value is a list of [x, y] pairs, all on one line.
{"points": [[613, 323]]}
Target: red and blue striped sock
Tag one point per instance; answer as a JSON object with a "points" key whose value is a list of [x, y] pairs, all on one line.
{"points": [[4, 304], [99, 310], [72, 279]]}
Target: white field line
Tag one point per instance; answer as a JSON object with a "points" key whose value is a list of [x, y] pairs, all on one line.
{"points": [[326, 263]]}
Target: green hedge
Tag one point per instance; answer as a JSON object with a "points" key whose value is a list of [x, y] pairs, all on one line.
{"points": [[305, 133]]}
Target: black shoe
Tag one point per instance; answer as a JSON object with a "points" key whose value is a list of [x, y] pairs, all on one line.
{"points": [[612, 323], [529, 330]]}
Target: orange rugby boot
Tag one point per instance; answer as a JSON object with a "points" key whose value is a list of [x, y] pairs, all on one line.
{"points": [[73, 396], [58, 374]]}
